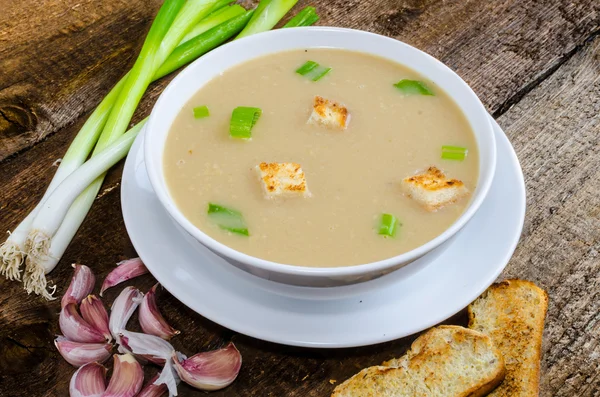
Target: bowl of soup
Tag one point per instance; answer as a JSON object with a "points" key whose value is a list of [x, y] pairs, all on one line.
{"points": [[319, 156]]}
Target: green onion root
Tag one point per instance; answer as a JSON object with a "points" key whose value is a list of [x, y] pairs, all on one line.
{"points": [[45, 245]]}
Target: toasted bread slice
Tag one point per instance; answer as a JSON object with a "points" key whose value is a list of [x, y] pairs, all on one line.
{"points": [[329, 113], [433, 190], [282, 180], [446, 361], [512, 313]]}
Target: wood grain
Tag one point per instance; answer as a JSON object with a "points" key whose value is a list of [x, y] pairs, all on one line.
{"points": [[59, 58], [556, 131]]}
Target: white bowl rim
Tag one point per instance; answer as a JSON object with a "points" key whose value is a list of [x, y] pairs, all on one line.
{"points": [[155, 172]]}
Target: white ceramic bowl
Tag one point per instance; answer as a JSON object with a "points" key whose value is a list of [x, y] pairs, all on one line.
{"points": [[189, 81]]}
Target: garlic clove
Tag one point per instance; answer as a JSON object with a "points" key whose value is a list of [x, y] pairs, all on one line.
{"points": [[88, 381], [212, 370], [75, 328], [152, 390], [78, 354], [127, 377], [122, 309], [81, 285], [151, 320], [93, 311], [124, 271]]}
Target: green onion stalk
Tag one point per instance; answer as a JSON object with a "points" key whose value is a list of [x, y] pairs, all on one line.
{"points": [[308, 16], [45, 250], [12, 253], [266, 16], [165, 33]]}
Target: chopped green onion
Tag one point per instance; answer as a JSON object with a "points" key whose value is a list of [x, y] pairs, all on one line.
{"points": [[306, 17], [201, 112], [236, 230], [454, 153], [412, 87], [454, 148], [313, 70], [268, 13], [388, 225], [307, 67], [219, 209], [242, 121], [453, 156], [320, 73], [228, 219]]}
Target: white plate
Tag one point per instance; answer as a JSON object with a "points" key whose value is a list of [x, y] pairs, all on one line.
{"points": [[441, 284]]}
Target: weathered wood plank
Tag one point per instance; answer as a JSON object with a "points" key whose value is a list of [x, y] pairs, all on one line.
{"points": [[556, 130], [499, 48], [58, 59]]}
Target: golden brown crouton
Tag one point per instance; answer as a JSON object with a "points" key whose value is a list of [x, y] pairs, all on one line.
{"points": [[329, 113], [433, 190], [282, 179]]}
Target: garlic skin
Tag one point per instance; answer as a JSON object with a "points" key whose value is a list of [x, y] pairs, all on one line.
{"points": [[81, 285], [124, 271], [127, 377], [151, 320], [88, 381], [212, 370], [152, 390], [122, 309], [75, 328], [156, 350], [93, 311], [78, 354]]}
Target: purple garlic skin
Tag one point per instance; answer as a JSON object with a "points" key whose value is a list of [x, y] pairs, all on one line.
{"points": [[122, 309], [81, 285], [148, 347], [151, 320], [88, 381], [78, 354], [212, 370], [155, 349], [75, 328], [152, 390], [125, 270], [94, 313], [127, 377]]}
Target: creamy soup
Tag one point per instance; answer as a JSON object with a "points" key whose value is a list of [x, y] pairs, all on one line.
{"points": [[354, 175]]}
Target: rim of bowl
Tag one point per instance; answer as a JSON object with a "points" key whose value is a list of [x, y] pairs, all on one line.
{"points": [[155, 172]]}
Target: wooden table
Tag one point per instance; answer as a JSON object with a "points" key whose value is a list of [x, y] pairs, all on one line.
{"points": [[535, 65]]}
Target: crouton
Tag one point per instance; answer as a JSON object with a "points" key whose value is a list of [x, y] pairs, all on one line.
{"points": [[433, 190], [329, 113], [282, 179]]}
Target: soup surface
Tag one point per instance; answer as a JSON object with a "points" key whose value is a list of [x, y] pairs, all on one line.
{"points": [[354, 175]]}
